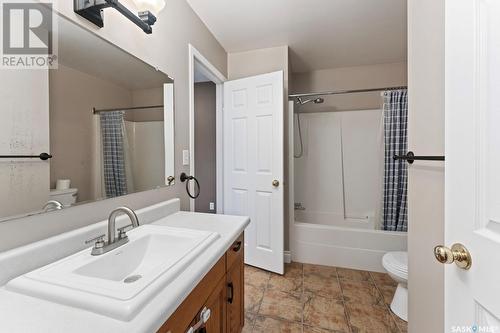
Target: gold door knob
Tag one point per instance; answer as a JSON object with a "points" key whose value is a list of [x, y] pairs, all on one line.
{"points": [[276, 183], [458, 254]]}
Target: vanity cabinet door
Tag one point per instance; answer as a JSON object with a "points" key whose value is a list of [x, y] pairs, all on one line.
{"points": [[217, 305], [187, 314], [235, 296]]}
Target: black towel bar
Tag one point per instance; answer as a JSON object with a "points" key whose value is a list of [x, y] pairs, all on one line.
{"points": [[410, 158], [42, 156]]}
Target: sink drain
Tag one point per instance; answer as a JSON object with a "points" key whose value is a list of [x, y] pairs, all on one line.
{"points": [[132, 278]]}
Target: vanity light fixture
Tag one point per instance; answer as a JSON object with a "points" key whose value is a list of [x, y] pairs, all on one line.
{"points": [[154, 6], [92, 10]]}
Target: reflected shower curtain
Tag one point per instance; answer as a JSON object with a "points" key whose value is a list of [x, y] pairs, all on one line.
{"points": [[395, 205], [115, 180]]}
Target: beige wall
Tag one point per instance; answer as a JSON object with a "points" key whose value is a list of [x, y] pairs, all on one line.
{"points": [[167, 49], [360, 77], [261, 61], [426, 180], [205, 144], [73, 94], [146, 97]]}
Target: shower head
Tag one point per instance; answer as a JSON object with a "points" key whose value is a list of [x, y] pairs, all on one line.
{"points": [[318, 100]]}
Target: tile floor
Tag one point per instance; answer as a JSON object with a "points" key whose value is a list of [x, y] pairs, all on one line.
{"points": [[319, 299]]}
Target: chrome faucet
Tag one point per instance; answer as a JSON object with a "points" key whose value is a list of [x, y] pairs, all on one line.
{"points": [[52, 205], [102, 247]]}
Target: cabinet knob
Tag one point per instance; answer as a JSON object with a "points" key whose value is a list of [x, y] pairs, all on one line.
{"points": [[237, 246], [231, 293]]}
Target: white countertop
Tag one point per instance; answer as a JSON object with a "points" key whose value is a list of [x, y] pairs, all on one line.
{"points": [[20, 313]]}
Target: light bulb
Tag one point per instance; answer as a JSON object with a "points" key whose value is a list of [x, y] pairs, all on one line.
{"points": [[154, 6]]}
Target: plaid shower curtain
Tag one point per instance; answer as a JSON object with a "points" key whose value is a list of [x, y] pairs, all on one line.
{"points": [[115, 180], [395, 205]]}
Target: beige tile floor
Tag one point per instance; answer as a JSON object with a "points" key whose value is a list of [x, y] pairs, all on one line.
{"points": [[319, 299]]}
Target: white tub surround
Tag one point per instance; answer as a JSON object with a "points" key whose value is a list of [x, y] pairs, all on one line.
{"points": [[21, 313], [338, 179], [337, 219]]}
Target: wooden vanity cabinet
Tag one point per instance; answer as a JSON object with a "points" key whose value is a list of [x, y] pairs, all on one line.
{"points": [[221, 291], [235, 282]]}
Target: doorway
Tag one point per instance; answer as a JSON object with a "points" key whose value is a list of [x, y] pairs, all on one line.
{"points": [[205, 141], [206, 84]]}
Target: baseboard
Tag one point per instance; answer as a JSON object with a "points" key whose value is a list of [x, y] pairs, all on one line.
{"points": [[287, 257]]}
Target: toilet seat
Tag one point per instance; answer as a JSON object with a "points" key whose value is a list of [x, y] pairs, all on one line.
{"points": [[396, 263]]}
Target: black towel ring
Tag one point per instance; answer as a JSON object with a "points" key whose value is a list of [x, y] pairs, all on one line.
{"points": [[187, 179]]}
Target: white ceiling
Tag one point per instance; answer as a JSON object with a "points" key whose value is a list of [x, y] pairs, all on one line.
{"points": [[321, 33]]}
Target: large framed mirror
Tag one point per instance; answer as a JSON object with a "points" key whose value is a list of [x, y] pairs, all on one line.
{"points": [[110, 128]]}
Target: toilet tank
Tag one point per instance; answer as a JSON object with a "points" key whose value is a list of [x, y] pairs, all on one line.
{"points": [[67, 197]]}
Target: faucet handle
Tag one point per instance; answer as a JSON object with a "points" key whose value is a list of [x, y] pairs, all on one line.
{"points": [[98, 239], [122, 232]]}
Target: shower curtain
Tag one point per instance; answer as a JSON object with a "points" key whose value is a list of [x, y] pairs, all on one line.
{"points": [[395, 205], [115, 180]]}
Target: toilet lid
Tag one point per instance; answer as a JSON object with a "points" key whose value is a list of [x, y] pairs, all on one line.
{"points": [[396, 262]]}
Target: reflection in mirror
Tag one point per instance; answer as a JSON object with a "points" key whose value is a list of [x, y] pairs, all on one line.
{"points": [[131, 150], [110, 126]]}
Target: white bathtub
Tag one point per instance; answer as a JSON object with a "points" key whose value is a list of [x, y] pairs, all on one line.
{"points": [[343, 246], [321, 234]]}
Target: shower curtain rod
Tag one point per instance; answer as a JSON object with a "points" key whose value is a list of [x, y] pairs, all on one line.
{"points": [[340, 92], [97, 111]]}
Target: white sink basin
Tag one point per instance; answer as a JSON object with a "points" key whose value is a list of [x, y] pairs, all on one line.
{"points": [[119, 283]]}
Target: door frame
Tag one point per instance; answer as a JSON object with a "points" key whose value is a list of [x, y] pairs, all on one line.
{"points": [[291, 183], [212, 73]]}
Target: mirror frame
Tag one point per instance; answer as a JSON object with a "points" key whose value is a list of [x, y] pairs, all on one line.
{"points": [[169, 127]]}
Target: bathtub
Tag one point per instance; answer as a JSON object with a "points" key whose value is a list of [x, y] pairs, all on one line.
{"points": [[348, 236], [343, 246]]}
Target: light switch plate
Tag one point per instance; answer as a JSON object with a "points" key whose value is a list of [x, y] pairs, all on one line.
{"points": [[185, 157]]}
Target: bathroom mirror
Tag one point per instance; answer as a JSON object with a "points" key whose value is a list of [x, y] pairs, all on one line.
{"points": [[110, 129]]}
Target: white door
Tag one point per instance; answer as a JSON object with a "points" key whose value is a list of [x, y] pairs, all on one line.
{"points": [[253, 164], [472, 199]]}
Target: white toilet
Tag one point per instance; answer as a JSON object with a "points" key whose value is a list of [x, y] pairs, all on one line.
{"points": [[396, 264], [66, 197]]}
